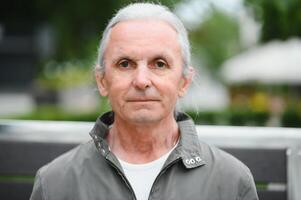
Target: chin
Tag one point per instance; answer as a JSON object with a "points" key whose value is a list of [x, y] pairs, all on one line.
{"points": [[144, 117]]}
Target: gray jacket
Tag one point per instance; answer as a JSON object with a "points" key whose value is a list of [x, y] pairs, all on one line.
{"points": [[193, 171]]}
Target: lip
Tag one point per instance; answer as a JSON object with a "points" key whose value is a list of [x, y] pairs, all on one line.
{"points": [[142, 100]]}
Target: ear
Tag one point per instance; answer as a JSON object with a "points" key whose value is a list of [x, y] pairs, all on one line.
{"points": [[101, 82], [186, 81]]}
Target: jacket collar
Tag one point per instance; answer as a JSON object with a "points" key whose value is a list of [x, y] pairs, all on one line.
{"points": [[188, 150]]}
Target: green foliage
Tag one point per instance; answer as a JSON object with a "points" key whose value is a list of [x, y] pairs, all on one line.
{"points": [[17, 178], [216, 39], [291, 118], [261, 186], [52, 112], [55, 113], [280, 19], [232, 117], [79, 24], [56, 75], [236, 117]]}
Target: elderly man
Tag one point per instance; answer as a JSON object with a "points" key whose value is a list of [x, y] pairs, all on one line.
{"points": [[144, 149]]}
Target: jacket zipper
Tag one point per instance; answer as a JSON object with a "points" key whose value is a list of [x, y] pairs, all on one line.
{"points": [[161, 173], [123, 178]]}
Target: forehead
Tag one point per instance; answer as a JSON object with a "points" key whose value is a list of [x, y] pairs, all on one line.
{"points": [[149, 34]]}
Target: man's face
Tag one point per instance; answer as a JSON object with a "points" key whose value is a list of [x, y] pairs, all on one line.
{"points": [[143, 71]]}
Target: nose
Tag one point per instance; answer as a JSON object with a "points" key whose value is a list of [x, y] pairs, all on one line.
{"points": [[142, 77]]}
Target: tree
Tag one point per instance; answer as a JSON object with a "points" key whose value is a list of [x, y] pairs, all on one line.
{"points": [[77, 24], [280, 19], [216, 39]]}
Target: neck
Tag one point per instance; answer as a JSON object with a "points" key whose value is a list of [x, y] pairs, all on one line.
{"points": [[142, 143]]}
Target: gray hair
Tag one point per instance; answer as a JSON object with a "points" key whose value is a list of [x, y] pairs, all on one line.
{"points": [[146, 11]]}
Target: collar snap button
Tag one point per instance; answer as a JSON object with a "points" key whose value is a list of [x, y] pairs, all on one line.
{"points": [[192, 161], [198, 159]]}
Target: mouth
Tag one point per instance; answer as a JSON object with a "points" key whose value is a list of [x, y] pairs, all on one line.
{"points": [[142, 100]]}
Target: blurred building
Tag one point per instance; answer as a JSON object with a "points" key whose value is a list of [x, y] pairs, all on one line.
{"points": [[267, 78], [20, 53]]}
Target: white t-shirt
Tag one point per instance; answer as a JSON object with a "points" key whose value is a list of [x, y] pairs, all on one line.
{"points": [[142, 176]]}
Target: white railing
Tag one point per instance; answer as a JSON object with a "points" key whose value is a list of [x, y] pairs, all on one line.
{"points": [[222, 136]]}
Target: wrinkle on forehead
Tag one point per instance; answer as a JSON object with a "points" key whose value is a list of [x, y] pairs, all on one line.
{"points": [[133, 55], [137, 35], [153, 22]]}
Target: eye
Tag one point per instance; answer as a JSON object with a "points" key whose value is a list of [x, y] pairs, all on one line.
{"points": [[124, 63], [160, 63]]}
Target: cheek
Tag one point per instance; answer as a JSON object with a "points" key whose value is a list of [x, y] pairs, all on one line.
{"points": [[116, 91], [117, 82], [170, 89]]}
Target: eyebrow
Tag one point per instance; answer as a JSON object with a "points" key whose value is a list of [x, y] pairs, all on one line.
{"points": [[163, 55]]}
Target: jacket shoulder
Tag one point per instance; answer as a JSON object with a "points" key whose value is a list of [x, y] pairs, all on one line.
{"points": [[66, 169], [228, 168], [70, 158]]}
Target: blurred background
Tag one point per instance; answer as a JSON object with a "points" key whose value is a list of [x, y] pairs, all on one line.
{"points": [[247, 54]]}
